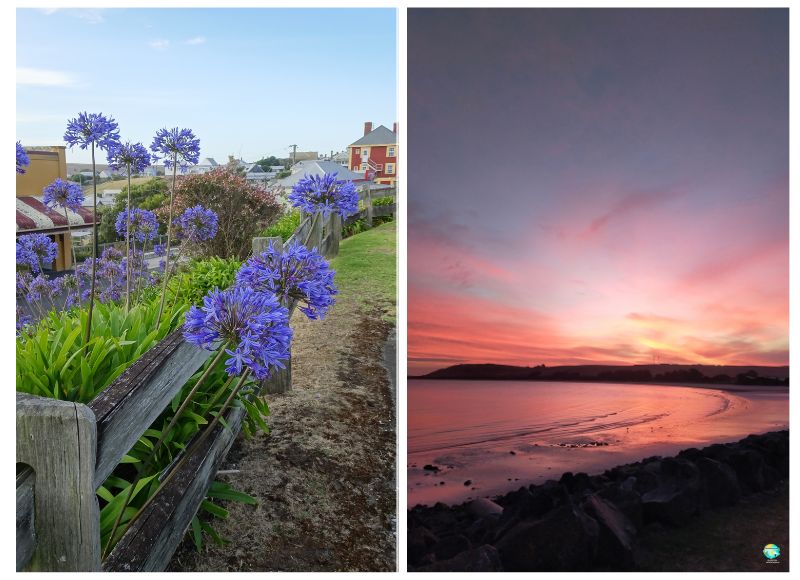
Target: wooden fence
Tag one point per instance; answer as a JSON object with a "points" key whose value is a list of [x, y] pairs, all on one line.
{"points": [[66, 450], [370, 211]]}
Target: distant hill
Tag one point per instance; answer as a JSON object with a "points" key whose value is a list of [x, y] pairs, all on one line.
{"points": [[742, 375]]}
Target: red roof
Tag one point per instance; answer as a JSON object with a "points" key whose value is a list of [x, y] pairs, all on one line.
{"points": [[34, 216]]}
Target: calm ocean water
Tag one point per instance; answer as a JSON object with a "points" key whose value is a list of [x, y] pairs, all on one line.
{"points": [[499, 435]]}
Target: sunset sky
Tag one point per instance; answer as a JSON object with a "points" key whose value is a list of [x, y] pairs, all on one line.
{"points": [[598, 186]]}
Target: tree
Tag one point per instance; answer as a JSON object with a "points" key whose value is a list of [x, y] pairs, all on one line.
{"points": [[268, 162], [243, 209], [151, 194]]}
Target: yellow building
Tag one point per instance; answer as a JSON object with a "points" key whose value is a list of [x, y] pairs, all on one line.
{"points": [[47, 164]]}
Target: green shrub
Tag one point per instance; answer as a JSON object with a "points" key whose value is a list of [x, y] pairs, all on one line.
{"points": [[53, 361], [202, 276], [284, 227], [385, 200]]}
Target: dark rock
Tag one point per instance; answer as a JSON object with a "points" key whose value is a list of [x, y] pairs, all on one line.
{"points": [[627, 500], [482, 559], [512, 452], [721, 485], [616, 533], [450, 547], [565, 539], [483, 507], [674, 502], [468, 483], [751, 469], [430, 467], [420, 542]]}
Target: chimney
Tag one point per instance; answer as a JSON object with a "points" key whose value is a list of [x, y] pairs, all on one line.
{"points": [[394, 128], [367, 127]]}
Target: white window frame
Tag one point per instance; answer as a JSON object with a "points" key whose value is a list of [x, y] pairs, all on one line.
{"points": [[392, 152]]}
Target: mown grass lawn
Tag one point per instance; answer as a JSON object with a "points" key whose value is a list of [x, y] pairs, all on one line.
{"points": [[366, 269]]}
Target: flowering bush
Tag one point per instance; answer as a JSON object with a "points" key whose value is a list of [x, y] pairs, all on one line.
{"points": [[252, 325], [242, 210], [35, 250], [197, 224], [22, 159], [325, 194], [144, 224], [297, 273], [176, 146], [63, 194]]}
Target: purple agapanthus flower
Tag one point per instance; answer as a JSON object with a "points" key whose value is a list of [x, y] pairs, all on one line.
{"points": [[131, 156], [92, 128], [144, 224], [176, 145], [297, 273], [196, 224], [35, 250], [253, 324], [63, 194], [22, 158], [159, 249], [326, 194]]}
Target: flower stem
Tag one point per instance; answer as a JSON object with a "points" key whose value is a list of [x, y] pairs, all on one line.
{"points": [[158, 443], [169, 237], [187, 453], [94, 250], [128, 247]]}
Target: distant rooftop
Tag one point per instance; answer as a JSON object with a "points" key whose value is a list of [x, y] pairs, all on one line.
{"points": [[378, 136]]}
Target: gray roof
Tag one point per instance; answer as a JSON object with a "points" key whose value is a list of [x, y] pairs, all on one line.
{"points": [[378, 136], [318, 167]]}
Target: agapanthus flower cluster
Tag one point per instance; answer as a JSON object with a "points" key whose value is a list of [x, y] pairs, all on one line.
{"points": [[23, 320], [144, 225], [63, 194], [325, 194], [92, 128], [22, 159], [196, 224], [176, 145], [297, 273], [131, 156], [35, 250], [253, 325]]}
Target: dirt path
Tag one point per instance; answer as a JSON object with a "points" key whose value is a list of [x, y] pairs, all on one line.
{"points": [[325, 475]]}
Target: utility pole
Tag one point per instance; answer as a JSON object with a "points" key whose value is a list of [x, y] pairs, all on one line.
{"points": [[294, 153]]}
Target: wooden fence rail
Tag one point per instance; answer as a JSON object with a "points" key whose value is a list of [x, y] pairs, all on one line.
{"points": [[66, 450]]}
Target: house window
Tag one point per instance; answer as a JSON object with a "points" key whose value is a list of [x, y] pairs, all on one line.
{"points": [[363, 167], [390, 168], [391, 152], [358, 150]]}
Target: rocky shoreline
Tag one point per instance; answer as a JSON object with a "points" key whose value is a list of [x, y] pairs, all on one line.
{"points": [[583, 522]]}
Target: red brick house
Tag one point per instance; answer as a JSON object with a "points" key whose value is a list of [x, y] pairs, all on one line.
{"points": [[375, 154]]}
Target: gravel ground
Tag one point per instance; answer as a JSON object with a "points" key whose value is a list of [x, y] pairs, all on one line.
{"points": [[325, 475]]}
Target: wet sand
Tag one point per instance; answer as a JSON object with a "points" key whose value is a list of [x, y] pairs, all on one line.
{"points": [[485, 440]]}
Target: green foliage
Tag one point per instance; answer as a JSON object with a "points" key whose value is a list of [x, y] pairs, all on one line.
{"points": [[283, 174], [54, 361], [355, 227], [152, 194], [204, 275], [218, 490], [385, 200], [268, 162], [285, 226]]}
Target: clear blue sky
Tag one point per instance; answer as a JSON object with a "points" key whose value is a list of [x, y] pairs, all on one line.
{"points": [[248, 82]]}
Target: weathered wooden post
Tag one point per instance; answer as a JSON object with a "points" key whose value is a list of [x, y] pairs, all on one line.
{"points": [[335, 236], [281, 380], [58, 441], [368, 205]]}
